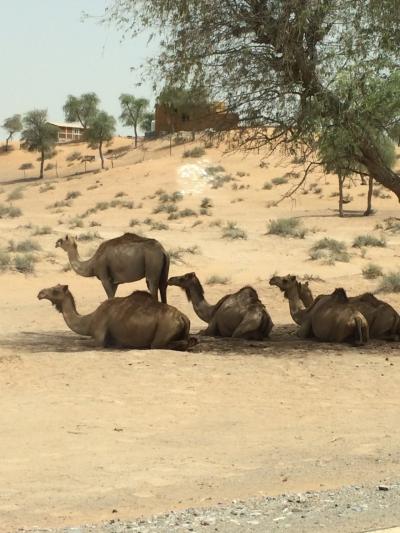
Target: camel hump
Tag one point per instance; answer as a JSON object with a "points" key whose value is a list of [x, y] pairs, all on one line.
{"points": [[250, 290], [340, 295], [368, 297]]}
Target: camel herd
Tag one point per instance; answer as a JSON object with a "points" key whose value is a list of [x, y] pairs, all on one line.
{"points": [[141, 321]]}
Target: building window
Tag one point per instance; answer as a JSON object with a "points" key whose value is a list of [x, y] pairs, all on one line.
{"points": [[77, 131]]}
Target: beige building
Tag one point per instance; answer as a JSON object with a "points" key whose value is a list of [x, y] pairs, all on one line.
{"points": [[69, 131]]}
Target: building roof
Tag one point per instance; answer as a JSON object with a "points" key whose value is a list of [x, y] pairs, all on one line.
{"points": [[77, 125]]}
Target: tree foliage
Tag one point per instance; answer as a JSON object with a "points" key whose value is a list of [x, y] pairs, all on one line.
{"points": [[101, 130], [133, 110], [322, 74], [81, 108], [38, 135], [146, 120], [12, 125]]}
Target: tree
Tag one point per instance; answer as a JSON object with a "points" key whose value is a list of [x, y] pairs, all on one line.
{"points": [[12, 125], [133, 110], [38, 135], [322, 74], [101, 130], [81, 108], [146, 121]]}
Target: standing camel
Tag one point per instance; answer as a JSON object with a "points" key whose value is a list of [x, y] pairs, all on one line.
{"points": [[121, 260], [135, 321], [239, 315], [332, 318]]}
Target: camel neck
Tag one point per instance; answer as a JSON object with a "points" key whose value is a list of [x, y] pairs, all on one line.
{"points": [[83, 268], [297, 310], [79, 324], [200, 305], [307, 298]]}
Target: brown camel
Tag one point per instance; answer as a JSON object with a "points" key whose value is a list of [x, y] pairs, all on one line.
{"points": [[121, 260], [331, 319], [135, 321], [239, 315], [383, 320]]}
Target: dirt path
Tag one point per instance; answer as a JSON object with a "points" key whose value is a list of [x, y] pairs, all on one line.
{"points": [[85, 432]]}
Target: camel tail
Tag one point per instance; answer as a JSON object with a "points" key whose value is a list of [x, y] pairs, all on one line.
{"points": [[163, 282], [362, 335]]}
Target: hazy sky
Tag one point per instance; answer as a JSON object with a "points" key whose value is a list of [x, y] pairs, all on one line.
{"points": [[48, 53]]}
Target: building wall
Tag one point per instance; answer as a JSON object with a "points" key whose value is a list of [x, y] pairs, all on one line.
{"points": [[69, 134]]}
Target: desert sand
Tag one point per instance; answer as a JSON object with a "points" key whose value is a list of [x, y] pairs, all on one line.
{"points": [[86, 432]]}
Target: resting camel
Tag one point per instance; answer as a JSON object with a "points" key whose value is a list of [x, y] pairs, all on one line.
{"points": [[123, 259], [238, 315], [135, 321], [331, 319], [383, 320]]}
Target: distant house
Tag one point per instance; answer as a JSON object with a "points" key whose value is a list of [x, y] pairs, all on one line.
{"points": [[69, 131], [214, 116]]}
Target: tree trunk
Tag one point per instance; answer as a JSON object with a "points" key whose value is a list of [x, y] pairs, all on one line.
{"points": [[341, 181], [369, 201], [101, 154], [378, 170], [135, 128], [41, 164], [7, 141]]}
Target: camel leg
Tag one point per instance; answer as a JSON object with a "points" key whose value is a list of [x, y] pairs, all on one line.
{"points": [[212, 329], [153, 288], [109, 287], [249, 328], [305, 330]]}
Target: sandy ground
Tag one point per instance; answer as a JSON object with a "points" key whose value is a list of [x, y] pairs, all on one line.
{"points": [[87, 431]]}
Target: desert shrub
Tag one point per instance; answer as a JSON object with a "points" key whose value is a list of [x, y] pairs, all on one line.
{"points": [[218, 181], [390, 282], [76, 222], [134, 222], [240, 173], [176, 196], [159, 192], [329, 250], [368, 240], [206, 203], [217, 280], [94, 223], [234, 187], [120, 194], [101, 206], [74, 156], [204, 211], [372, 271], [15, 194], [49, 166], [122, 203], [158, 226], [347, 198], [267, 185], [5, 260], [176, 254], [197, 223], [28, 245], [72, 194], [26, 166], [279, 180], [89, 236], [66, 268], [165, 208], [232, 231], [197, 151], [60, 203], [217, 222], [287, 227], [392, 224], [9, 211], [215, 169], [25, 263], [41, 230], [187, 212], [46, 187]]}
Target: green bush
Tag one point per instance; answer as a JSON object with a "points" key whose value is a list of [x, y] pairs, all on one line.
{"points": [[372, 271], [279, 180], [15, 194], [232, 231], [368, 240], [287, 227], [267, 185], [330, 250], [390, 282], [25, 263], [197, 151]]}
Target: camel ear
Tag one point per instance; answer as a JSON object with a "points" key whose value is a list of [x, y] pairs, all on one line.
{"points": [[64, 288], [67, 238], [306, 283]]}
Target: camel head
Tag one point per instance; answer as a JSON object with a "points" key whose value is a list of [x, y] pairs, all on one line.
{"points": [[187, 282], [339, 295], [66, 243], [283, 282], [304, 289], [55, 294]]}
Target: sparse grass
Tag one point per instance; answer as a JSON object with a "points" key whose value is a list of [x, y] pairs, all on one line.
{"points": [[372, 271], [232, 231], [176, 254], [279, 180], [5, 260], [390, 282], [41, 230], [60, 203], [46, 187], [391, 224], [15, 194], [287, 227], [368, 240], [28, 245], [267, 185], [72, 194], [25, 263], [165, 208], [216, 223], [197, 151], [329, 250], [217, 280], [9, 211]]}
